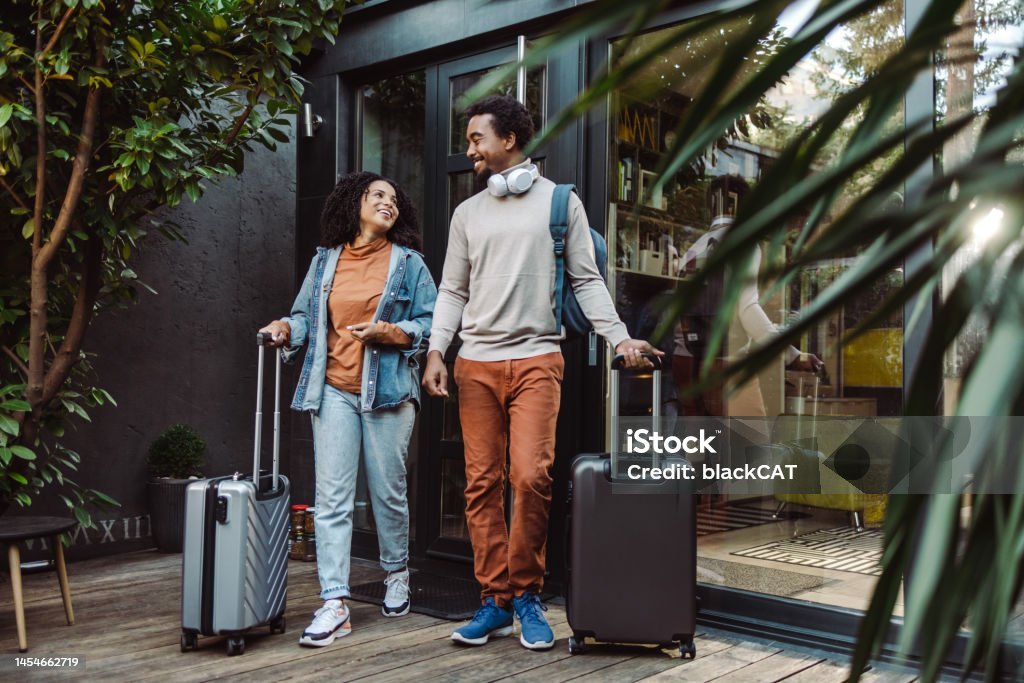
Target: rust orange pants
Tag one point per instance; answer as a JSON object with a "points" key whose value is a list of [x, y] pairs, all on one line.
{"points": [[511, 407]]}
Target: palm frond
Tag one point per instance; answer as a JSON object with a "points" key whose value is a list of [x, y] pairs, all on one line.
{"points": [[974, 568]]}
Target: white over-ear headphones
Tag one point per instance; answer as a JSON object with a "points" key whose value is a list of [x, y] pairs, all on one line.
{"points": [[516, 182]]}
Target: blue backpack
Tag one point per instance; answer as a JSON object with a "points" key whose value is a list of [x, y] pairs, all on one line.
{"points": [[567, 309]]}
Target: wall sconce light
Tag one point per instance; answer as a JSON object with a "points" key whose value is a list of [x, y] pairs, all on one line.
{"points": [[310, 122]]}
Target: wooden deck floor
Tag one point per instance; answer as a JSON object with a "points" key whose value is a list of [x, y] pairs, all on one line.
{"points": [[128, 625]]}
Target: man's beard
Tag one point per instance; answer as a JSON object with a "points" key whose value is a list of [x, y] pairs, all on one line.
{"points": [[480, 179]]}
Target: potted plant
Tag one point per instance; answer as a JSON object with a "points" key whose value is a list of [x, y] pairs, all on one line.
{"points": [[175, 459]]}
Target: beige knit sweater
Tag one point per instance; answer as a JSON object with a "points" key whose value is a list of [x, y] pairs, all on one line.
{"points": [[499, 277]]}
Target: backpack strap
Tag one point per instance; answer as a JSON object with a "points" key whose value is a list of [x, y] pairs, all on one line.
{"points": [[559, 226]]}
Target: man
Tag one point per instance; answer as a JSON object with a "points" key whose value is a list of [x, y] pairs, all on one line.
{"points": [[498, 283]]}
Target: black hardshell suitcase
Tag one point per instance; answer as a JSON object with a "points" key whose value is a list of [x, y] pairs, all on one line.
{"points": [[632, 556], [235, 558]]}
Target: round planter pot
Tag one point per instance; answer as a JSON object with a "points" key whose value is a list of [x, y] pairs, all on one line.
{"points": [[167, 513]]}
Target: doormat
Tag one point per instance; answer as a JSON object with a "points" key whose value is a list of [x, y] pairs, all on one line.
{"points": [[748, 577], [432, 594], [844, 549], [732, 517]]}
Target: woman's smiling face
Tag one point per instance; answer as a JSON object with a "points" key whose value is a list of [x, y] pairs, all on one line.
{"points": [[379, 209]]}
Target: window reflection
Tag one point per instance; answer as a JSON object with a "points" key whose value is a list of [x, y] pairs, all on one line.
{"points": [[976, 61], [659, 237], [392, 135]]}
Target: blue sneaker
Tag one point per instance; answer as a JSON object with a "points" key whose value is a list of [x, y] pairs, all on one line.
{"points": [[489, 620], [536, 634]]}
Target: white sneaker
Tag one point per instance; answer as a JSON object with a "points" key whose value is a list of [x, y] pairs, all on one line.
{"points": [[329, 622], [396, 599]]}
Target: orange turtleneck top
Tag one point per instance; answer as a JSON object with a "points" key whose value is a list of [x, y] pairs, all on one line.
{"points": [[358, 285]]}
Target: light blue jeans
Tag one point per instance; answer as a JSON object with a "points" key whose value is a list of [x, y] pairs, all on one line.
{"points": [[340, 434]]}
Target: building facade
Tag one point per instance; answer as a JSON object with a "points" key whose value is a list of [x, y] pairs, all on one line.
{"points": [[389, 97]]}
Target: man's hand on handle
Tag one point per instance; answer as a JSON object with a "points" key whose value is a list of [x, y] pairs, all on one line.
{"points": [[435, 375], [280, 333], [632, 351]]}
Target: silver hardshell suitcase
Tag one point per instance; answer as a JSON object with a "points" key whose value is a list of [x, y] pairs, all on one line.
{"points": [[235, 559], [632, 556]]}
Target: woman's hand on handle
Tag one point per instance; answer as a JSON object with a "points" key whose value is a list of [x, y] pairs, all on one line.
{"points": [[280, 333]]}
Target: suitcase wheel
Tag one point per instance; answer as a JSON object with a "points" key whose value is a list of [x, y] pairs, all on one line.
{"points": [[236, 646], [688, 649], [576, 647], [189, 641], [277, 625]]}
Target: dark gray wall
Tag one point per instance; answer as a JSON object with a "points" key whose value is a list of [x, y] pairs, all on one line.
{"points": [[188, 354]]}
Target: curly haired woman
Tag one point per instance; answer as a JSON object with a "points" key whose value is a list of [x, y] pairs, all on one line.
{"points": [[364, 311]]}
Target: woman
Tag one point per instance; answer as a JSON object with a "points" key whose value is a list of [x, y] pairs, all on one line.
{"points": [[364, 311]]}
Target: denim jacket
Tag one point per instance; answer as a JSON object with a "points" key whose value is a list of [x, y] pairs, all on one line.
{"points": [[390, 374]]}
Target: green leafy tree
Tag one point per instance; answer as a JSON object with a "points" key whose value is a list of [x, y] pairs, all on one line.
{"points": [[110, 112]]}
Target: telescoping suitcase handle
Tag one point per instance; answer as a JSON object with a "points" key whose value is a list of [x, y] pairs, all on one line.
{"points": [[801, 403], [617, 364], [262, 340]]}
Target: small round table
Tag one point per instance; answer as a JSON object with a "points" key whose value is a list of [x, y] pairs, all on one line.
{"points": [[16, 529]]}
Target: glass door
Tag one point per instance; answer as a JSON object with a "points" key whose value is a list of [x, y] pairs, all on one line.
{"points": [[775, 541], [391, 140], [442, 523]]}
